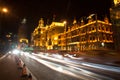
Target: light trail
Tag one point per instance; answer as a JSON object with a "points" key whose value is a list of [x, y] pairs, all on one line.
{"points": [[58, 68], [104, 67], [68, 68], [98, 66], [3, 56]]}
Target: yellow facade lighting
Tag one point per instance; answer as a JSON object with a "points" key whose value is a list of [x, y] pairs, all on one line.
{"points": [[41, 32], [55, 38], [55, 42], [24, 40]]}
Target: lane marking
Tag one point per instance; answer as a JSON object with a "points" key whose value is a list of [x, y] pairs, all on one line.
{"points": [[3, 56]]}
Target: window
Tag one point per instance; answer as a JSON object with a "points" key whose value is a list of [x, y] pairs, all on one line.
{"points": [[93, 28]]}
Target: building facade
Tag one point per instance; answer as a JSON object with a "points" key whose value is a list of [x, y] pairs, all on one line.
{"points": [[94, 35], [46, 37], [91, 36]]}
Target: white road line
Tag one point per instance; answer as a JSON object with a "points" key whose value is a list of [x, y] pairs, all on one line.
{"points": [[3, 56]]}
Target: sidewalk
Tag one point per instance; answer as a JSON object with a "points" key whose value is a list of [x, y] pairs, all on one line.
{"points": [[9, 69]]}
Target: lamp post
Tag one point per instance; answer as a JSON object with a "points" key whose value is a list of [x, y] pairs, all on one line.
{"points": [[2, 10], [5, 10], [65, 22]]}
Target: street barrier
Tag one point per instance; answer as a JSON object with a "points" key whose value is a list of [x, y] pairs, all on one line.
{"points": [[20, 64], [29, 76], [24, 71]]}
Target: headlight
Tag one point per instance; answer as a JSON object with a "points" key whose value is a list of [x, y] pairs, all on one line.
{"points": [[16, 51]]}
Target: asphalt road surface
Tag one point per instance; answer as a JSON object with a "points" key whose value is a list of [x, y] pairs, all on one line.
{"points": [[8, 68], [48, 68]]}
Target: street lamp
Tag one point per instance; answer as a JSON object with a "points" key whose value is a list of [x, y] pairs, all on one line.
{"points": [[5, 10], [2, 10], [65, 23]]}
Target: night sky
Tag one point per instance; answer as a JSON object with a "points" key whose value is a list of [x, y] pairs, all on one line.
{"points": [[33, 10]]}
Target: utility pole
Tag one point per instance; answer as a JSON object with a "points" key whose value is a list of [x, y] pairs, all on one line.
{"points": [[2, 10]]}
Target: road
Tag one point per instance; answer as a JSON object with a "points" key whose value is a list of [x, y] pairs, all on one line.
{"points": [[48, 68], [8, 68]]}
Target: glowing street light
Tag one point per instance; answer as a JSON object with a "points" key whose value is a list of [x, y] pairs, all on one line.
{"points": [[5, 10], [65, 22], [2, 10]]}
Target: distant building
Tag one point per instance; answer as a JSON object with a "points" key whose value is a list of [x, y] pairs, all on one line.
{"points": [[22, 34], [115, 19]]}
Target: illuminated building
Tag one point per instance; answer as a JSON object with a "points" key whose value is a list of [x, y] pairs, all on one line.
{"points": [[37, 34], [52, 34], [46, 37], [94, 35], [115, 19]]}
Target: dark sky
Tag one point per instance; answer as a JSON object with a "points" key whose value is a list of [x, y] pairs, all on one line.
{"points": [[33, 10]]}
